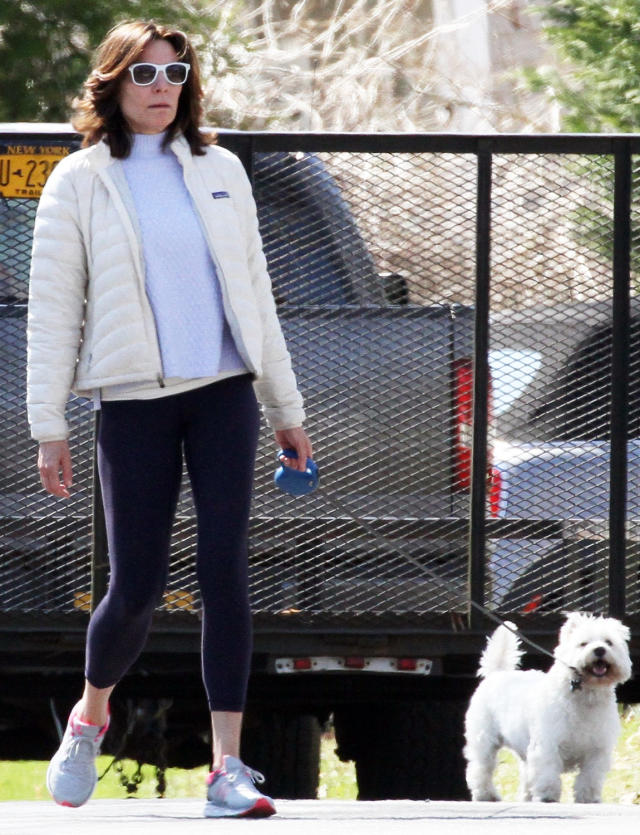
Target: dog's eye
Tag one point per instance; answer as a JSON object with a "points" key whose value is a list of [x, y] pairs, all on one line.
{"points": [[583, 644], [609, 643]]}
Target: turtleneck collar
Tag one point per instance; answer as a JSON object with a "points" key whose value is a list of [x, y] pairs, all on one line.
{"points": [[146, 145]]}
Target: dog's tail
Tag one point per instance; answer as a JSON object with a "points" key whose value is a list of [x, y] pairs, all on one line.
{"points": [[502, 652]]}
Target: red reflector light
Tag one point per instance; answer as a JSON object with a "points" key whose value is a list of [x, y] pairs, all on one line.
{"points": [[463, 424], [463, 400], [301, 663], [495, 491], [407, 664], [354, 662], [533, 605]]}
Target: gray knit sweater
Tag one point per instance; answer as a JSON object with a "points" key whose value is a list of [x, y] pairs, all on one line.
{"points": [[181, 280]]}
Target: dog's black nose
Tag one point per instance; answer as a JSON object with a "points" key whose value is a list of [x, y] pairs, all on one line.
{"points": [[599, 652]]}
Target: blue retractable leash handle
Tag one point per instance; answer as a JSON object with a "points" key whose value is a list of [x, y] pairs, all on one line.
{"points": [[296, 482]]}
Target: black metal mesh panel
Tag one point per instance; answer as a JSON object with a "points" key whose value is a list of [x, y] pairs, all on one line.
{"points": [[633, 474], [373, 259], [377, 380], [45, 544], [417, 215], [551, 357]]}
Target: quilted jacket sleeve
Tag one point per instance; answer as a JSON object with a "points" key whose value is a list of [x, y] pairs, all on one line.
{"points": [[56, 305], [276, 388]]}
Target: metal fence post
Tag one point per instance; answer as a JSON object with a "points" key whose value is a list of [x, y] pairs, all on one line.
{"points": [[477, 535], [242, 145], [620, 377]]}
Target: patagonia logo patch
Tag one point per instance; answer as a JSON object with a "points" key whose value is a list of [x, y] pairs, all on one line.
{"points": [[219, 195]]}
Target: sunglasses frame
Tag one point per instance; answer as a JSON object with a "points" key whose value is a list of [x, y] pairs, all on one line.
{"points": [[158, 68]]}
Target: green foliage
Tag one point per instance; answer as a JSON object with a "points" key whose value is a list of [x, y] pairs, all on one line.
{"points": [[46, 47], [598, 83]]}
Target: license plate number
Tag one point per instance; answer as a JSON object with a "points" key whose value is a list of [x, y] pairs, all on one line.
{"points": [[25, 169]]}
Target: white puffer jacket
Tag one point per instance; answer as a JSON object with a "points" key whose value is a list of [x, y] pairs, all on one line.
{"points": [[90, 323]]}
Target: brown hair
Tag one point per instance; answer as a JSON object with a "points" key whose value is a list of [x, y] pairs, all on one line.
{"points": [[97, 112]]}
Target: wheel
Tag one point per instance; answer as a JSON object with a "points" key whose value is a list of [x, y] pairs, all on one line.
{"points": [[410, 750], [564, 579], [285, 747]]}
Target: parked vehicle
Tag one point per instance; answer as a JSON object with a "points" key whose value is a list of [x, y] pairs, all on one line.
{"points": [[554, 457]]}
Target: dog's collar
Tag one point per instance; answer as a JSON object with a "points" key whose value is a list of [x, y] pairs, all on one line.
{"points": [[576, 680]]}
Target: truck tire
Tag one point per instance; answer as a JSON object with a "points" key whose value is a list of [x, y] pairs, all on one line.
{"points": [[408, 750], [285, 747], [540, 590]]}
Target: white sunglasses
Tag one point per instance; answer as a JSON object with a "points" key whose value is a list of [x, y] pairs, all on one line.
{"points": [[143, 75]]}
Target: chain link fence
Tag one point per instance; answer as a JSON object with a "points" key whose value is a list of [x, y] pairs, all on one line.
{"points": [[373, 245]]}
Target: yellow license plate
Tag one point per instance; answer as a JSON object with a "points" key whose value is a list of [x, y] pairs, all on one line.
{"points": [[24, 169]]}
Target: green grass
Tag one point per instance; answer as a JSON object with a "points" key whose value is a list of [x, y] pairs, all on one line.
{"points": [[26, 780], [337, 779], [623, 781]]}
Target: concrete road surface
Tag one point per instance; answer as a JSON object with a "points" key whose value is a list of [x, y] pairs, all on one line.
{"points": [[319, 817]]}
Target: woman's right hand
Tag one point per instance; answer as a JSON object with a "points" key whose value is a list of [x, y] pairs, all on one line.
{"points": [[54, 460]]}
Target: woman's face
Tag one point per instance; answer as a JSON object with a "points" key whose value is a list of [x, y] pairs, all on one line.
{"points": [[153, 108]]}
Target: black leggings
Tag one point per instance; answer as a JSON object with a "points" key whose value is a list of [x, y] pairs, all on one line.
{"points": [[140, 444]]}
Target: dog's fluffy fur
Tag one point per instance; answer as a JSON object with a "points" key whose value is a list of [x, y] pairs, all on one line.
{"points": [[557, 721]]}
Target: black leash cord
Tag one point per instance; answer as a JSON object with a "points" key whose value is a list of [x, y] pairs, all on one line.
{"points": [[398, 548]]}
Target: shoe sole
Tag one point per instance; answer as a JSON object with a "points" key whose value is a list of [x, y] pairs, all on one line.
{"points": [[261, 809], [68, 803]]}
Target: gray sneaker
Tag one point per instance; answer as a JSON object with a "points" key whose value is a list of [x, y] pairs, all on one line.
{"points": [[72, 775], [232, 792]]}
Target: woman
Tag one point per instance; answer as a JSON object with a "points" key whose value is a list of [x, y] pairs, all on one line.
{"points": [[149, 292]]}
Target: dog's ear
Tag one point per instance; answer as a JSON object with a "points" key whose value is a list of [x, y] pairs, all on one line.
{"points": [[623, 631], [574, 619]]}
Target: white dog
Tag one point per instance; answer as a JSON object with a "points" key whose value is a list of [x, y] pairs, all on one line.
{"points": [[556, 721]]}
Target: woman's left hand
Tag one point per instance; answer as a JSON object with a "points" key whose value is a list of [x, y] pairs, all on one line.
{"points": [[295, 438]]}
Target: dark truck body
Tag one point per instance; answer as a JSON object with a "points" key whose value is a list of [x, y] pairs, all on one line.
{"points": [[378, 377]]}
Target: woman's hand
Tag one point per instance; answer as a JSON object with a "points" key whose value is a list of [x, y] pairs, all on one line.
{"points": [[297, 439], [54, 460]]}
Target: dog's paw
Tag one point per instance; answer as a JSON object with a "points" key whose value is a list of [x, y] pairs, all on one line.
{"points": [[487, 796], [587, 797]]}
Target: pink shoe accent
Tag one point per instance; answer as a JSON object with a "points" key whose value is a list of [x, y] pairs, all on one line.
{"points": [[76, 718]]}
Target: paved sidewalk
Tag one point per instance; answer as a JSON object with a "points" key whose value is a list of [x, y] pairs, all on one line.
{"points": [[319, 817]]}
